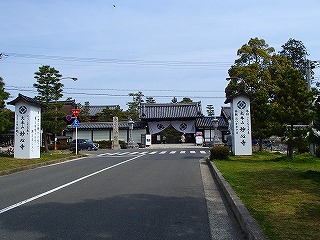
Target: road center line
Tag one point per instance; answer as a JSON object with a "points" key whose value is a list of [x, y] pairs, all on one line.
{"points": [[64, 185]]}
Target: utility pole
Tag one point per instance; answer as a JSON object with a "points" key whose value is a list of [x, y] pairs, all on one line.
{"points": [[308, 74]]}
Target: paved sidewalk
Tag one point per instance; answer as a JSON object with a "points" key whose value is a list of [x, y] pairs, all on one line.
{"points": [[223, 224]]}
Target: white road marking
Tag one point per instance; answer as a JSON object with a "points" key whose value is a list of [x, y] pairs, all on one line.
{"points": [[150, 153], [133, 153], [123, 153], [143, 152], [103, 154], [63, 186]]}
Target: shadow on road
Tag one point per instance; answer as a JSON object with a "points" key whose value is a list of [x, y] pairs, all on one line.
{"points": [[136, 216]]}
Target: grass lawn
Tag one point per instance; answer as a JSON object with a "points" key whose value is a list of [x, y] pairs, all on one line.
{"points": [[8, 162], [282, 194]]}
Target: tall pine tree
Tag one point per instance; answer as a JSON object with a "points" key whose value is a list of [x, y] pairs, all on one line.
{"points": [[49, 90]]}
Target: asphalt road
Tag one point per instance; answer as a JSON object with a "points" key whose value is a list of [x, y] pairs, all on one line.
{"points": [[137, 194]]}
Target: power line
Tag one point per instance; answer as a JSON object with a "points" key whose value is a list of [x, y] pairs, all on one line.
{"points": [[118, 61], [126, 90], [28, 89]]}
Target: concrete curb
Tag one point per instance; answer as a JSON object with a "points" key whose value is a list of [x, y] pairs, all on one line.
{"points": [[33, 166], [248, 224]]}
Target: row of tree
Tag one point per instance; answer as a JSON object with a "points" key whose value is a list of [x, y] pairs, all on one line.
{"points": [[276, 83], [6, 115]]}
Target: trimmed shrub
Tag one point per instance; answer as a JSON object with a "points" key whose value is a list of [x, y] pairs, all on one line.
{"points": [[122, 144], [104, 144], [219, 152], [318, 151], [60, 146]]}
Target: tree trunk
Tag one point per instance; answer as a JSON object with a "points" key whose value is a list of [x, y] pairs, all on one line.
{"points": [[290, 151], [45, 140], [260, 145], [290, 143]]}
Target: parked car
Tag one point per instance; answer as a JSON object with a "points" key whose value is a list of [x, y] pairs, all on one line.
{"points": [[84, 144]]}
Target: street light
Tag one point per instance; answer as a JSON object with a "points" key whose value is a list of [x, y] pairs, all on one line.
{"points": [[131, 143], [55, 136], [216, 140], [72, 78]]}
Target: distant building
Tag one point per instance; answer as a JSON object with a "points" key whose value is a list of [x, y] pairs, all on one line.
{"points": [[186, 118]]}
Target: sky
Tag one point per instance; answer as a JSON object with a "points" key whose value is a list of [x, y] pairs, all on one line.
{"points": [[165, 49]]}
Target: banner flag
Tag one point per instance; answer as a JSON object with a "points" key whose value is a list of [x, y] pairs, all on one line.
{"points": [[185, 126], [155, 127], [181, 126]]}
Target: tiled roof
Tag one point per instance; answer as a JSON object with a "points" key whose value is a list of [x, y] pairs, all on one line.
{"points": [[226, 112], [241, 93], [170, 110], [207, 122], [24, 99], [105, 126], [93, 110]]}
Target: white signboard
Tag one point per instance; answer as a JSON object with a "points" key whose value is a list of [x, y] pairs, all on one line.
{"points": [[241, 125], [27, 136], [148, 139]]}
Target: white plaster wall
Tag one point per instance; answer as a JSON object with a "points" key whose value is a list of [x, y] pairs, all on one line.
{"points": [[136, 135], [101, 135], [82, 134]]}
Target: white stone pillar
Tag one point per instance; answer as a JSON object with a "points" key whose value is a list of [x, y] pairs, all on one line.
{"points": [[27, 130], [241, 125]]}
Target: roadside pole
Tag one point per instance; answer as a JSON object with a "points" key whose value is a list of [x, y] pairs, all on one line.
{"points": [[76, 124], [76, 140]]}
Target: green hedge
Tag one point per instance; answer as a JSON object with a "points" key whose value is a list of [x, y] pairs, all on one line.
{"points": [[60, 147], [219, 152]]}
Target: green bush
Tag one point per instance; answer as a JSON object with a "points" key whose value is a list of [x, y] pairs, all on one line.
{"points": [[219, 152], [318, 151], [60, 146], [104, 144], [122, 144]]}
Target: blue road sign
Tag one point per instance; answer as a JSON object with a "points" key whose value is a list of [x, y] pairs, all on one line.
{"points": [[75, 123]]}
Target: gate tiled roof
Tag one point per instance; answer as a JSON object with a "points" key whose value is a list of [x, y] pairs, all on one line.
{"points": [[170, 111], [93, 110], [208, 122]]}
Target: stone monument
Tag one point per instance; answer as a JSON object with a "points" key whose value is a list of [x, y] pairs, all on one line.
{"points": [[115, 143]]}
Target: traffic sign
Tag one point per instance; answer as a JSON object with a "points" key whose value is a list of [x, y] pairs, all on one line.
{"points": [[76, 112], [75, 123], [69, 118]]}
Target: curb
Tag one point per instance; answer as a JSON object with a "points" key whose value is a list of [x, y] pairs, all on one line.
{"points": [[248, 224], [33, 166]]}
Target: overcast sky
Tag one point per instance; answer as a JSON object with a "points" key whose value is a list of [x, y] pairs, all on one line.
{"points": [[164, 48]]}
